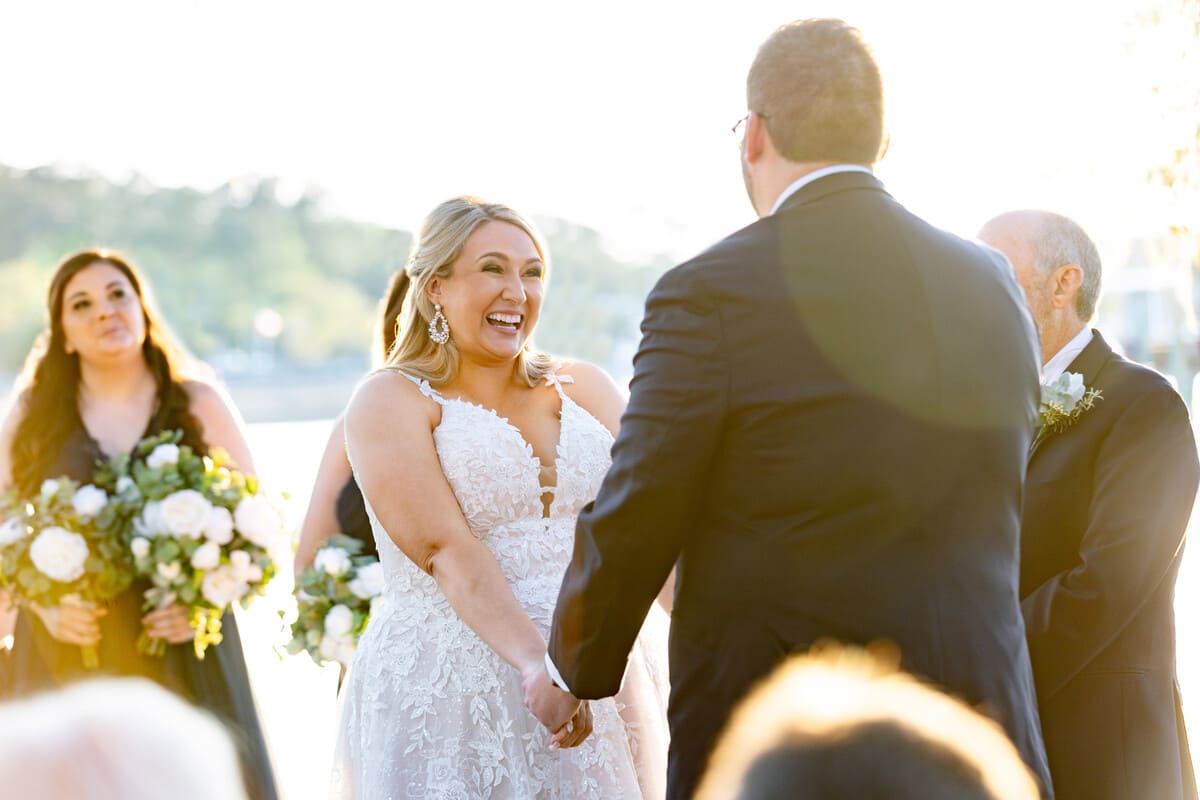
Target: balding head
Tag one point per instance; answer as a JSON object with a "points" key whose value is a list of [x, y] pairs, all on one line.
{"points": [[1045, 241]]}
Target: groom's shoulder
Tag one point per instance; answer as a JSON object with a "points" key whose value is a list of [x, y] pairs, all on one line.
{"points": [[728, 259]]}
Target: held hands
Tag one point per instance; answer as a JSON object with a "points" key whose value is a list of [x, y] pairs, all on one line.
{"points": [[72, 621], [170, 624], [561, 712]]}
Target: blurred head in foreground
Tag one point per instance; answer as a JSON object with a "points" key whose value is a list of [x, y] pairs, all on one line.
{"points": [[839, 723], [114, 739]]}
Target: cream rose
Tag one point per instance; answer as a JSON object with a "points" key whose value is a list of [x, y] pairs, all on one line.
{"points": [[222, 588], [333, 561], [185, 513], [59, 554], [368, 581], [89, 500], [338, 620], [207, 556], [219, 527], [140, 547], [11, 531], [163, 455], [257, 520]]}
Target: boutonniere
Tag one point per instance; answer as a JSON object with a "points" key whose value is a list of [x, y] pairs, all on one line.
{"points": [[1063, 402]]}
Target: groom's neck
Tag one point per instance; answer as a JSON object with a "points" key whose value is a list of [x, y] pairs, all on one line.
{"points": [[781, 174]]}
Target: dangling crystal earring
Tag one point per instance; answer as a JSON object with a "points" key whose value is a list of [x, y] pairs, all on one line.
{"points": [[439, 329]]}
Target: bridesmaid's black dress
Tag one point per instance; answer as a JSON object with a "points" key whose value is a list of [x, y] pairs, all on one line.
{"points": [[219, 683], [352, 517]]}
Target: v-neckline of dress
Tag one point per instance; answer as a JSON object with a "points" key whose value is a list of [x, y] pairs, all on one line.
{"points": [[543, 490]]}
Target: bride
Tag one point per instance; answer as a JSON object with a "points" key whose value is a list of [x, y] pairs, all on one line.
{"points": [[475, 453]]}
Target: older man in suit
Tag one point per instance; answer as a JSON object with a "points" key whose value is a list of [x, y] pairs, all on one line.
{"points": [[1108, 497]]}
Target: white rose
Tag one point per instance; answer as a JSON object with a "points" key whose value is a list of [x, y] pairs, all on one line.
{"points": [[222, 588], [149, 523], [12, 530], [332, 561], [257, 520], [185, 513], [244, 568], [345, 651], [59, 554], [169, 571], [219, 527], [207, 556], [49, 487], [124, 484], [368, 581], [338, 621], [88, 500], [328, 648], [140, 547], [1075, 387], [162, 455]]}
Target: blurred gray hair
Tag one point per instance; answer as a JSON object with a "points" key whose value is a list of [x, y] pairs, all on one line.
{"points": [[115, 739], [1059, 240]]}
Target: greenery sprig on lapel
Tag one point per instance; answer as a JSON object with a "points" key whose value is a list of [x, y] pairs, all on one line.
{"points": [[1063, 402]]}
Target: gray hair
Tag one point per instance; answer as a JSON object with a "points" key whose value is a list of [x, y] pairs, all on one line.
{"points": [[1058, 240], [115, 739]]}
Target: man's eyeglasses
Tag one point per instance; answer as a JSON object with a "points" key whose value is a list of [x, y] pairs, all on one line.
{"points": [[739, 126]]}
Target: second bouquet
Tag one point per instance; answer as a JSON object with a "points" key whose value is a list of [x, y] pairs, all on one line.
{"points": [[203, 534]]}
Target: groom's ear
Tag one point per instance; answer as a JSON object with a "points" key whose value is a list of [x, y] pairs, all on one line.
{"points": [[757, 138]]}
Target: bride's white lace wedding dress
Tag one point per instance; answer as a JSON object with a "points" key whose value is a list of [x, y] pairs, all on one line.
{"points": [[430, 711]]}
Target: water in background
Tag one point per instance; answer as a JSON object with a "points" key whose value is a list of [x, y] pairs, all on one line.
{"points": [[297, 700]]}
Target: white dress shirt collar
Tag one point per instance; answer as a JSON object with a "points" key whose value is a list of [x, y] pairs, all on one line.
{"points": [[812, 176], [1058, 364]]}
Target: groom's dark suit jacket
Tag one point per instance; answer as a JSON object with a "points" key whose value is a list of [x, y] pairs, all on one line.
{"points": [[830, 417], [1107, 503]]}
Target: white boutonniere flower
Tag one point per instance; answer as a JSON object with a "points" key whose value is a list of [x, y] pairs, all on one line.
{"points": [[1063, 402]]}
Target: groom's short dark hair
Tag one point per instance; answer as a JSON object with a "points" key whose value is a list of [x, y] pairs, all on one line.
{"points": [[818, 87]]}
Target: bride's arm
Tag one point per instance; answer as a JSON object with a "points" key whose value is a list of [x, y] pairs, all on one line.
{"points": [[389, 439], [596, 392]]}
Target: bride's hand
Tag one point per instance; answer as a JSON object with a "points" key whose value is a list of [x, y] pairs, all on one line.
{"points": [[72, 621], [170, 623], [578, 728]]}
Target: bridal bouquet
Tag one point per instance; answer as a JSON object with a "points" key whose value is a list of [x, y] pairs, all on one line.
{"points": [[333, 601], [203, 534], [66, 541]]}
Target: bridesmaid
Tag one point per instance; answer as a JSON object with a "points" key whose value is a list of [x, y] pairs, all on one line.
{"points": [[336, 504], [105, 374]]}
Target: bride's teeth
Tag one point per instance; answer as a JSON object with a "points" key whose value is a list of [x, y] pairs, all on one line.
{"points": [[506, 319]]}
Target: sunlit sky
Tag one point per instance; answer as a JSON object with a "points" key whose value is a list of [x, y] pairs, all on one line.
{"points": [[614, 115]]}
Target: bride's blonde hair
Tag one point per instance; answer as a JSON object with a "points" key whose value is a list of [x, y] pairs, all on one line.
{"points": [[439, 242]]}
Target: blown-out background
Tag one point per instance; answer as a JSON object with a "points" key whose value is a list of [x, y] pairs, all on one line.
{"points": [[265, 164]]}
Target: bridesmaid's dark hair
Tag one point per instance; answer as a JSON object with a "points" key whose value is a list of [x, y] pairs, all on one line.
{"points": [[50, 398], [389, 314]]}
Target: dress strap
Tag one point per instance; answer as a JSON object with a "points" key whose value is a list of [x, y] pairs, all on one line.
{"points": [[556, 380], [423, 385]]}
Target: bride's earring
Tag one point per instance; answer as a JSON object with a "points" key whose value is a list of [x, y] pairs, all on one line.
{"points": [[439, 329]]}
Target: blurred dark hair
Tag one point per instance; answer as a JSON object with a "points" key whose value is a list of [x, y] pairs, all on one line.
{"points": [[389, 314], [818, 88], [49, 400], [843, 722]]}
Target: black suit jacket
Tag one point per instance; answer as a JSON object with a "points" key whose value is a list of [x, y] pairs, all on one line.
{"points": [[1107, 503], [828, 428]]}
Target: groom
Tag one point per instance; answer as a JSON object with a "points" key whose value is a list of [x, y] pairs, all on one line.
{"points": [[827, 432]]}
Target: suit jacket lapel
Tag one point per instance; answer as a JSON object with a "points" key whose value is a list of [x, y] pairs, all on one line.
{"points": [[1088, 364]]}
